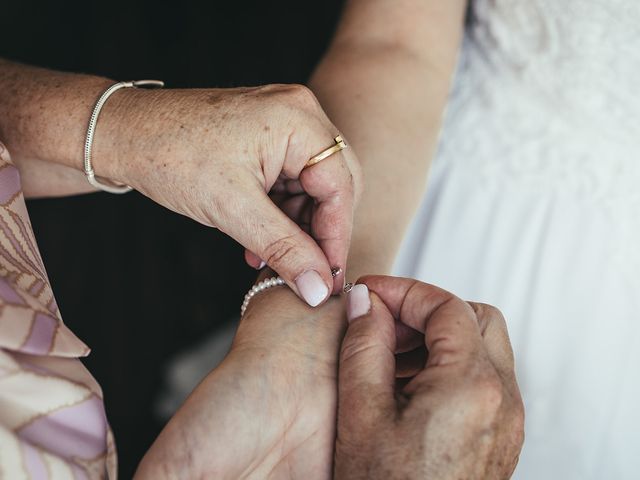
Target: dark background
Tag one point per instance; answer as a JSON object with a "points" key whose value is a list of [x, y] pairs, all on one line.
{"points": [[136, 282]]}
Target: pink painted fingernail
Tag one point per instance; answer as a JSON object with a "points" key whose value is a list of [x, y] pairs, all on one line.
{"points": [[312, 288], [262, 264], [358, 301]]}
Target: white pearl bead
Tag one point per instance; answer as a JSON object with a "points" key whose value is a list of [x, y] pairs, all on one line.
{"points": [[263, 285]]}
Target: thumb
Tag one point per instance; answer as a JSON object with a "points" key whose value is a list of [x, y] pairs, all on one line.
{"points": [[367, 363], [265, 230]]}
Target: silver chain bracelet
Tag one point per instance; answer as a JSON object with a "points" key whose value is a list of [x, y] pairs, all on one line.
{"points": [[101, 183]]}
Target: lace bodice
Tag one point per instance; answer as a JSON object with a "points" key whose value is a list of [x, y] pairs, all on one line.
{"points": [[547, 94]]}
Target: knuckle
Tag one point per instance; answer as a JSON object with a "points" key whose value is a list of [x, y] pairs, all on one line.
{"points": [[279, 251], [488, 314], [491, 311], [487, 395], [357, 344], [270, 90], [497, 317], [289, 97], [302, 95]]}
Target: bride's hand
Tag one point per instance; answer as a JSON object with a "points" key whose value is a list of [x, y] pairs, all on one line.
{"points": [[215, 154], [269, 410]]}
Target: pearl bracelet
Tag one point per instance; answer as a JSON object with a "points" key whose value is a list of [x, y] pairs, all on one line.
{"points": [[259, 287], [277, 281]]}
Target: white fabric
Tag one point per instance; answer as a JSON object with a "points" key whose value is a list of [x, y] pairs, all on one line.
{"points": [[533, 205]]}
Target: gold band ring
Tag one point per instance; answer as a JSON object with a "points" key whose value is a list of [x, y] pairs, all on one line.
{"points": [[339, 145]]}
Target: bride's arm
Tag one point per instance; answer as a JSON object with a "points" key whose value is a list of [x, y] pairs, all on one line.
{"points": [[384, 82]]}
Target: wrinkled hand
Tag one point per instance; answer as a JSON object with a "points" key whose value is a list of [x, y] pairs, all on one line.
{"points": [[268, 411], [215, 155], [459, 416]]}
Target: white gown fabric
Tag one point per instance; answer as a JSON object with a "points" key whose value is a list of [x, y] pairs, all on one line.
{"points": [[533, 205]]}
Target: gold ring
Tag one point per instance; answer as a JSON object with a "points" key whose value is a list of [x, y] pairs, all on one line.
{"points": [[339, 145]]}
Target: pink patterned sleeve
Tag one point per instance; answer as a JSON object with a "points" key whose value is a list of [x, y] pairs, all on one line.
{"points": [[52, 418]]}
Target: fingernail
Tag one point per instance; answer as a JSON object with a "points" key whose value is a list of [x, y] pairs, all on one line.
{"points": [[262, 265], [358, 301], [312, 287]]}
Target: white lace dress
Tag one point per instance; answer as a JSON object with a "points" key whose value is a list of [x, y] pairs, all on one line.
{"points": [[534, 205]]}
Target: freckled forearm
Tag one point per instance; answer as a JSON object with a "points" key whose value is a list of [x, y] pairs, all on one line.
{"points": [[45, 113], [43, 121]]}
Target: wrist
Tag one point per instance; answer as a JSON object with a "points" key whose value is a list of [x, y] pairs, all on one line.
{"points": [[293, 328], [119, 143]]}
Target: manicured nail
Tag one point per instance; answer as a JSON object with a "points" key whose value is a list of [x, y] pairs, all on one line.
{"points": [[358, 301], [312, 288], [262, 264]]}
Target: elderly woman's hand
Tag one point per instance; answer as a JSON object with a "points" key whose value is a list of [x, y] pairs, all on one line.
{"points": [[459, 416], [215, 154]]}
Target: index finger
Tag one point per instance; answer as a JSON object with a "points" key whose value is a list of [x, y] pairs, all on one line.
{"points": [[449, 324], [333, 183]]}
